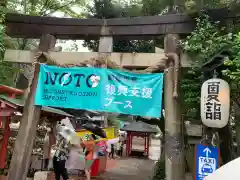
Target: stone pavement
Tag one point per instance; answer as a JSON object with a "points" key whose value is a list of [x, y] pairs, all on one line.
{"points": [[125, 168], [117, 169], [129, 169]]}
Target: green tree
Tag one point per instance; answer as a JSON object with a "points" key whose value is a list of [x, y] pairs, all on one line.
{"points": [[232, 73], [44, 7], [190, 88], [6, 68], [32, 7], [204, 42], [207, 40], [233, 68], [110, 9]]}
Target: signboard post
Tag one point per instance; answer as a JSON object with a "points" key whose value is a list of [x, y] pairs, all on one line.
{"points": [[207, 160]]}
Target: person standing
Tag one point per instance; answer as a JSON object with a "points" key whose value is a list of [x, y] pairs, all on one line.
{"points": [[49, 140], [111, 154], [118, 147], [121, 148], [108, 149], [90, 148], [102, 154], [60, 157], [46, 150]]}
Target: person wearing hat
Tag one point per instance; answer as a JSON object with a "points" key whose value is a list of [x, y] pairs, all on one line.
{"points": [[90, 148]]}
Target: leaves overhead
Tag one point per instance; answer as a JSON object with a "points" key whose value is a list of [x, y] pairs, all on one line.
{"points": [[203, 43], [110, 9], [206, 40], [44, 7], [232, 73], [7, 69], [70, 8]]}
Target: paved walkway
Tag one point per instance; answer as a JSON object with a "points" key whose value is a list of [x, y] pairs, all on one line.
{"points": [[129, 169]]}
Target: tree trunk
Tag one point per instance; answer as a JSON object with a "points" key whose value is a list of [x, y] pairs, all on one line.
{"points": [[225, 135], [237, 125]]}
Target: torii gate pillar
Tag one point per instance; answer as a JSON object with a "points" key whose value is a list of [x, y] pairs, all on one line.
{"points": [[174, 143]]}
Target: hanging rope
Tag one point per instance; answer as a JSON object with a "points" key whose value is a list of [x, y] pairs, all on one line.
{"points": [[205, 140], [215, 139]]}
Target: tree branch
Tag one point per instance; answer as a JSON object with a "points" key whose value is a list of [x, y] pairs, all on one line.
{"points": [[58, 8], [43, 7]]}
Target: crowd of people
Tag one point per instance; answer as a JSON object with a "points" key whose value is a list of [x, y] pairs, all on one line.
{"points": [[116, 150], [90, 148]]}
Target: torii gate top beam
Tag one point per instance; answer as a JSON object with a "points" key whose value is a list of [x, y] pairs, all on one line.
{"points": [[23, 26], [147, 27]]}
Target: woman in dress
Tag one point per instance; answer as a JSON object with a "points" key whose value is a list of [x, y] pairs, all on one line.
{"points": [[90, 148]]}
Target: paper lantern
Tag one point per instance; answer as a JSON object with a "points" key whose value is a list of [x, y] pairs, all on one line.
{"points": [[215, 103]]}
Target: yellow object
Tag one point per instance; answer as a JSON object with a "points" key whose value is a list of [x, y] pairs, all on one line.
{"points": [[109, 133]]}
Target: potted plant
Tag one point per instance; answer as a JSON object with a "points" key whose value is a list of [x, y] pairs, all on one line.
{"points": [[30, 174], [4, 171], [159, 171], [2, 174]]}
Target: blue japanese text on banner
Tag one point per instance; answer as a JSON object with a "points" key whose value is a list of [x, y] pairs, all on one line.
{"points": [[100, 90]]}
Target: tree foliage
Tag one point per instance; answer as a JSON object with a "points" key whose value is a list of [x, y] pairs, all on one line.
{"points": [[2, 30], [44, 7], [191, 90], [109, 9], [9, 71], [234, 64], [159, 171], [206, 40], [233, 69]]}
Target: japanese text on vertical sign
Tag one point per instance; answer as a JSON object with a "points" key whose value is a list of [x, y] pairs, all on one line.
{"points": [[213, 105]]}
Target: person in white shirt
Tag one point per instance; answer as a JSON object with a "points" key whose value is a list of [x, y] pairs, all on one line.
{"points": [[60, 157]]}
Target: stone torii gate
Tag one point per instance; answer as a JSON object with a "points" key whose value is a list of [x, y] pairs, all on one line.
{"points": [[49, 28]]}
